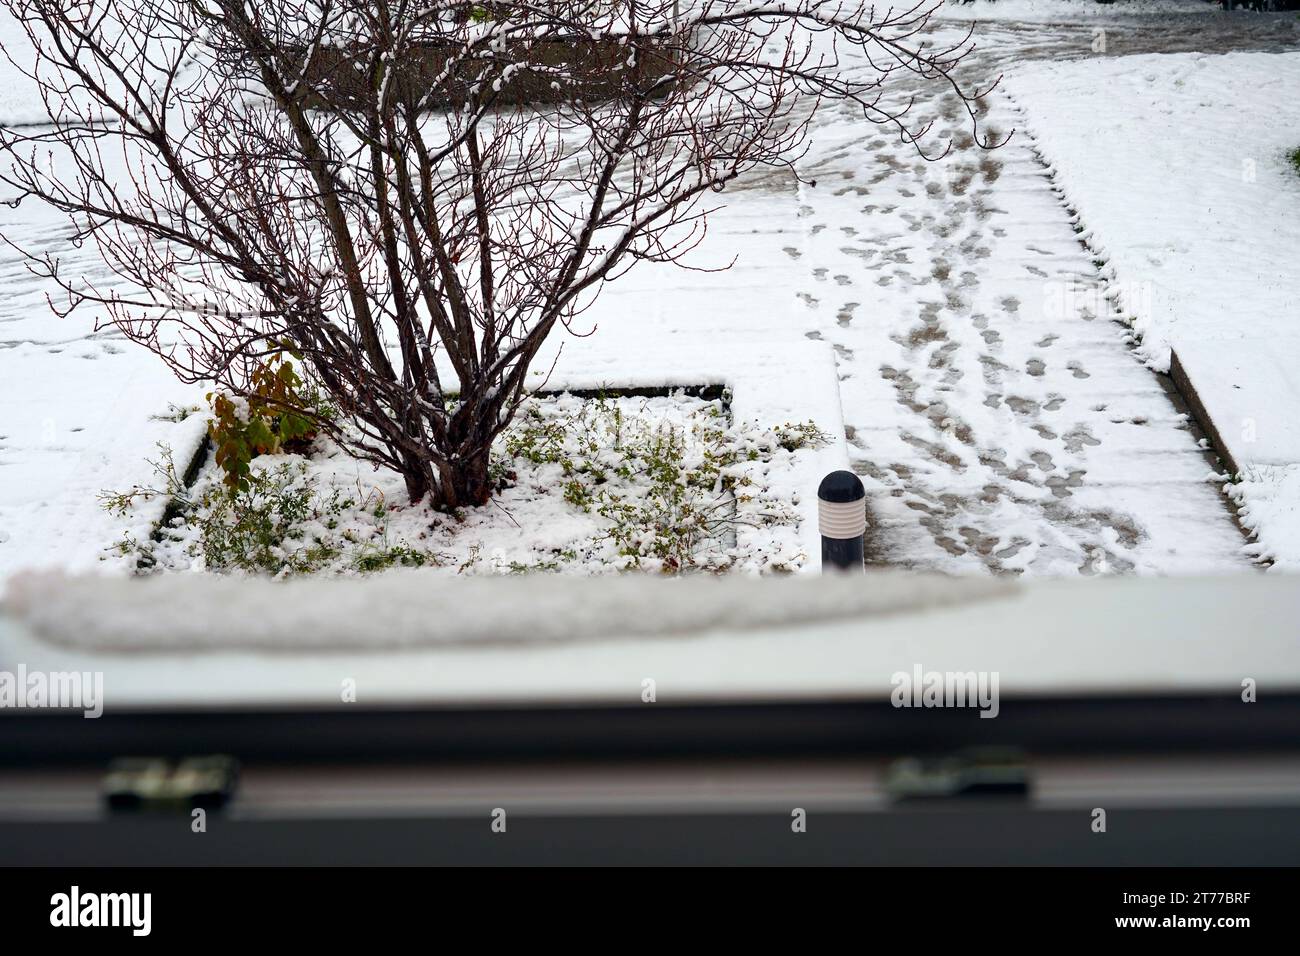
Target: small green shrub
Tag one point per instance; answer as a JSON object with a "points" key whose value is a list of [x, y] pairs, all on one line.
{"points": [[260, 526], [664, 491], [275, 521], [801, 435], [1293, 158], [281, 413], [120, 503], [397, 556]]}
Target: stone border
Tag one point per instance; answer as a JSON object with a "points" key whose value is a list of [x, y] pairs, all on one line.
{"points": [[1183, 385]]}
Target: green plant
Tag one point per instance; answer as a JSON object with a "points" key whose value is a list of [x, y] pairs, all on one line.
{"points": [[800, 435], [1293, 158], [120, 503], [260, 525], [279, 413], [371, 559], [670, 495], [277, 521]]}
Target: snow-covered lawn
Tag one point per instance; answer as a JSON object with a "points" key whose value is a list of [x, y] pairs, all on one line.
{"points": [[70, 437], [1177, 166]]}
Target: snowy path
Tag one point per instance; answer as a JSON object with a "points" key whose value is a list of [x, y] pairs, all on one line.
{"points": [[997, 418], [1192, 201], [994, 409]]}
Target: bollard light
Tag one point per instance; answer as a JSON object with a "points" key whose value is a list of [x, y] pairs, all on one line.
{"points": [[842, 520]]}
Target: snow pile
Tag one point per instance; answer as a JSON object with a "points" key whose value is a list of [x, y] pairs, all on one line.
{"points": [[1269, 503], [412, 608]]}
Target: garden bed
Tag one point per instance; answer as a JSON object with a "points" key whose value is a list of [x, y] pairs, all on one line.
{"points": [[653, 479]]}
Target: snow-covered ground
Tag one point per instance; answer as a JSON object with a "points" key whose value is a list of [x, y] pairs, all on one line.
{"points": [[942, 321], [1055, 10], [1178, 168], [1177, 165]]}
